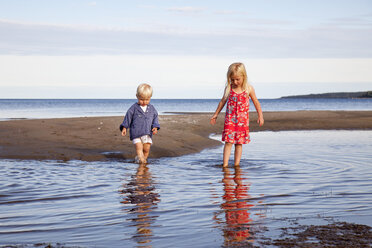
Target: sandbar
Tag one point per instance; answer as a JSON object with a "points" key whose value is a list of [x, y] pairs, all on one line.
{"points": [[99, 138]]}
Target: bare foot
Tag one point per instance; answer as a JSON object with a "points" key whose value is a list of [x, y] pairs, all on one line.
{"points": [[140, 160]]}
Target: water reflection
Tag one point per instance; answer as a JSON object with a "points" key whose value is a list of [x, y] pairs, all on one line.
{"points": [[236, 205], [140, 195]]}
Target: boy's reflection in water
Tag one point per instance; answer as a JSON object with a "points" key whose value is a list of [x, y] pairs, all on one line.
{"points": [[140, 193], [236, 206]]}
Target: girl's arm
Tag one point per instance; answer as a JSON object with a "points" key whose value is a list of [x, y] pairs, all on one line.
{"points": [[218, 110], [257, 105]]}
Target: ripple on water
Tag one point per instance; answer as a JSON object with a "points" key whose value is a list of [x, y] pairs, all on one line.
{"points": [[302, 176]]}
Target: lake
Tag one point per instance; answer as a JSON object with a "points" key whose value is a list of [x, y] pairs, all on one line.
{"points": [[306, 177], [60, 108]]}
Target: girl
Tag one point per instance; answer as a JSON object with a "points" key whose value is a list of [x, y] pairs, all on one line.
{"points": [[236, 128]]}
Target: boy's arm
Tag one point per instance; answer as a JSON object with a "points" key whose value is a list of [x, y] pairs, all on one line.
{"points": [[155, 122], [257, 105], [124, 131], [127, 120]]}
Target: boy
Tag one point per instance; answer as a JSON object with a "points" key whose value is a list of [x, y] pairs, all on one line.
{"points": [[142, 121]]}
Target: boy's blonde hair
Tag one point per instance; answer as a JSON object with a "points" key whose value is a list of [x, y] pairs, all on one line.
{"points": [[236, 69], [144, 91]]}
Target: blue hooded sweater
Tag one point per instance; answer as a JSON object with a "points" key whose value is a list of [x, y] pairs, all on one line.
{"points": [[140, 123]]}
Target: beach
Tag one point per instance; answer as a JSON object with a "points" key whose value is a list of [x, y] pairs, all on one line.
{"points": [[304, 180], [99, 138]]}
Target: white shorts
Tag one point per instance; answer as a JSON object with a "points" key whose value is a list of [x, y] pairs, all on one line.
{"points": [[144, 139]]}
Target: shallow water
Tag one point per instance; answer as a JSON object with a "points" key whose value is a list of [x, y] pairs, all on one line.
{"points": [[191, 201]]}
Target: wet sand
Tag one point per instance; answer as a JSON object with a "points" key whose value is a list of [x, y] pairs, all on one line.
{"points": [[336, 234], [99, 138]]}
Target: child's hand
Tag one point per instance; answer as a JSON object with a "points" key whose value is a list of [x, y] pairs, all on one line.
{"points": [[124, 132], [213, 120], [260, 121], [154, 130]]}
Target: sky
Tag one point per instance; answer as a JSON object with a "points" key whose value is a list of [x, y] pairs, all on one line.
{"points": [[104, 49]]}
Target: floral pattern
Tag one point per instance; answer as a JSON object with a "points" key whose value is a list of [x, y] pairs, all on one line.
{"points": [[236, 127]]}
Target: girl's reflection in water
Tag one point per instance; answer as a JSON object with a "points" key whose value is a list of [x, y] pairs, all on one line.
{"points": [[236, 205], [140, 194]]}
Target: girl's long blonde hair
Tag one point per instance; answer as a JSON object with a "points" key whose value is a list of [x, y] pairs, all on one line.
{"points": [[236, 69]]}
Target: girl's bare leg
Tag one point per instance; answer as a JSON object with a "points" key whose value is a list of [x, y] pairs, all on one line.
{"points": [[146, 150], [226, 153], [139, 151], [238, 154]]}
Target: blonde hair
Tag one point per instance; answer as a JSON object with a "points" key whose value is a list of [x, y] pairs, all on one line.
{"points": [[236, 69], [144, 90]]}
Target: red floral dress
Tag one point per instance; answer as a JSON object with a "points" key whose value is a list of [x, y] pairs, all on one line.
{"points": [[236, 128]]}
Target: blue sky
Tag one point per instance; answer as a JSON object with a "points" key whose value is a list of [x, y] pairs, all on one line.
{"points": [[103, 49]]}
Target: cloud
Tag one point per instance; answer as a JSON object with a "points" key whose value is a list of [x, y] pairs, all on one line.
{"points": [[147, 6], [350, 22], [230, 12], [186, 10], [254, 41], [173, 76]]}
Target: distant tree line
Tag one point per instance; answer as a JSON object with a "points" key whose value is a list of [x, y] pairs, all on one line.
{"points": [[362, 94]]}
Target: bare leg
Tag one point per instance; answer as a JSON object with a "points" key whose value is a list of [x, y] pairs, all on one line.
{"points": [[226, 153], [238, 153], [146, 150], [139, 151]]}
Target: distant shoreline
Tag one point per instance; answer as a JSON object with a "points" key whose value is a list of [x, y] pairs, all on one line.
{"points": [[355, 94], [360, 94]]}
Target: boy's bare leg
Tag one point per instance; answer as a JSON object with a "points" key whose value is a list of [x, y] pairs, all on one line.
{"points": [[146, 150], [226, 153], [238, 154], [139, 151]]}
